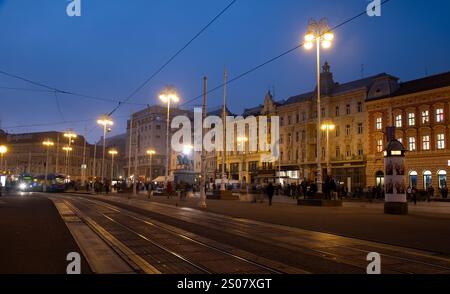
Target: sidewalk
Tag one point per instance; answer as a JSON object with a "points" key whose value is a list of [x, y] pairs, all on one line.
{"points": [[427, 227]]}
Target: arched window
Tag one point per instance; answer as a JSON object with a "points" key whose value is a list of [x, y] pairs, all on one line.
{"points": [[442, 175], [379, 178], [427, 179], [413, 179]]}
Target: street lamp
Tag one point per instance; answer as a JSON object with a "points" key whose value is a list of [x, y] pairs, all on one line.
{"points": [[47, 144], [150, 153], [168, 95], [241, 142], [104, 121], [318, 31], [71, 136], [67, 149], [328, 127], [3, 150], [112, 153]]}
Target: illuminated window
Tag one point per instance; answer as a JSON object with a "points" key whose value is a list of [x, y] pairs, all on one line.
{"points": [[398, 121], [439, 115], [425, 116], [426, 142], [427, 179], [412, 143], [442, 174], [380, 145], [379, 123], [411, 119], [440, 141]]}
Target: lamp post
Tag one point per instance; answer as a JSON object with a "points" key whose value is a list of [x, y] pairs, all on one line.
{"points": [[112, 153], [328, 127], [318, 31], [168, 95], [47, 144], [104, 121], [70, 135], [3, 150], [67, 149], [241, 142], [150, 153]]}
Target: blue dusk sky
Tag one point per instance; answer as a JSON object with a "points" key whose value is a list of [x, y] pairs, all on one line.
{"points": [[115, 45]]}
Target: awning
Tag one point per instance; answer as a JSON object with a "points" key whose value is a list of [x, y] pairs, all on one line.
{"points": [[162, 179]]}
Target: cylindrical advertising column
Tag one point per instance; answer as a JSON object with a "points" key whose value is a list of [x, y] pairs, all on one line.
{"points": [[395, 180]]}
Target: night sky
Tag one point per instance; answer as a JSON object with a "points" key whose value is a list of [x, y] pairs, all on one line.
{"points": [[116, 44]]}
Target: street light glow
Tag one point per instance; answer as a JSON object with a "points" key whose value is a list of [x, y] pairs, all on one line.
{"points": [[48, 143], [68, 149], [105, 121], [113, 152], [3, 149], [169, 94], [188, 149], [151, 152], [70, 135]]}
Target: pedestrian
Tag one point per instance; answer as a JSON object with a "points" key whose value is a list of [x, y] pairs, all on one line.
{"points": [[1, 188], [430, 193], [270, 191], [444, 192], [414, 195]]}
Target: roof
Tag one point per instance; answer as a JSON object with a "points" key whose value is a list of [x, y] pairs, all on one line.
{"points": [[424, 84]]}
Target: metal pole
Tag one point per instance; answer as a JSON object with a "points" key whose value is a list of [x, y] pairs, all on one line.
{"points": [[224, 135], [150, 172], [104, 150], [203, 157], [112, 167], [46, 171], [84, 167], [328, 151], [129, 149], [94, 168], [57, 155], [319, 114], [68, 158], [167, 142], [136, 161], [1, 162]]}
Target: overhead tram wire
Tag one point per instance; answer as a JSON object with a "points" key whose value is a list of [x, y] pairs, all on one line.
{"points": [[51, 89], [276, 58], [160, 69]]}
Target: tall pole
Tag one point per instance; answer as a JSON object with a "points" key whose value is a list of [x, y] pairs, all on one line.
{"points": [[167, 143], [112, 166], [150, 171], [129, 149], [136, 161], [319, 115], [328, 151], [1, 162], [84, 167], [104, 150], [94, 167], [224, 135], [57, 155], [203, 157], [46, 170]]}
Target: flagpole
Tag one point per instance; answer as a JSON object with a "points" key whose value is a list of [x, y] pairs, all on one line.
{"points": [[224, 135]]}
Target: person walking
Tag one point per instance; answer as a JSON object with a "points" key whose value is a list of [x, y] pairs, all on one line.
{"points": [[430, 193], [414, 195], [444, 192], [270, 191]]}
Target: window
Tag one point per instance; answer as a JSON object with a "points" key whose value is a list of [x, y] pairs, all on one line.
{"points": [[303, 116], [398, 121], [380, 145], [322, 112], [337, 111], [360, 150], [338, 131], [440, 141], [360, 107], [442, 176], [400, 140], [413, 179], [289, 120], [338, 152], [297, 118], [379, 178], [158, 127], [348, 151], [425, 116], [348, 109], [348, 130], [412, 143], [426, 142], [379, 123], [360, 128], [281, 121], [427, 179], [411, 119], [297, 137], [440, 115]]}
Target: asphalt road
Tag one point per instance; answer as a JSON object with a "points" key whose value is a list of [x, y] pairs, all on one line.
{"points": [[33, 237]]}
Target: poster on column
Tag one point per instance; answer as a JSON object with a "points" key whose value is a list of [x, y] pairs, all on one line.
{"points": [[395, 187]]}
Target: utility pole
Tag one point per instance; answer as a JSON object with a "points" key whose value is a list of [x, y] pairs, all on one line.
{"points": [[57, 155], [129, 149], [84, 167], [203, 156], [136, 161], [94, 168], [224, 135]]}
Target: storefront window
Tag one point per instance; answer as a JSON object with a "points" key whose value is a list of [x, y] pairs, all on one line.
{"points": [[380, 178], [442, 178], [427, 179], [413, 179]]}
